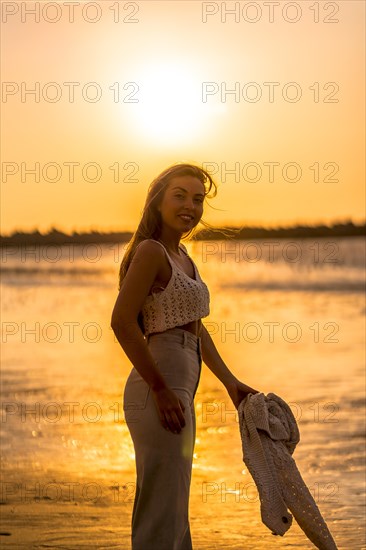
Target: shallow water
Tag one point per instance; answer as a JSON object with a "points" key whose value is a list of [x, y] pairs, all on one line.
{"points": [[286, 316]]}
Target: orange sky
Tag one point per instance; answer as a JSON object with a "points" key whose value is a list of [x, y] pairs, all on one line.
{"points": [[292, 129]]}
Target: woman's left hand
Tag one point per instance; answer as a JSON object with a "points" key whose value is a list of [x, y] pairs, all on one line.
{"points": [[238, 391]]}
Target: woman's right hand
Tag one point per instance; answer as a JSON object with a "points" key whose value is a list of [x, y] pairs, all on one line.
{"points": [[170, 409]]}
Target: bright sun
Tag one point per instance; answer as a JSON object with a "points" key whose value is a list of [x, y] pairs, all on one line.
{"points": [[170, 109]]}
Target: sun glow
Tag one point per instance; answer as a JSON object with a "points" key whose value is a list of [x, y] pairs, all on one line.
{"points": [[170, 108]]}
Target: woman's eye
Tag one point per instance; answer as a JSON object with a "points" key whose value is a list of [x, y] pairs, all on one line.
{"points": [[180, 196]]}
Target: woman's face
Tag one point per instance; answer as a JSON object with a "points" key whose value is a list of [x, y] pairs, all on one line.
{"points": [[184, 196]]}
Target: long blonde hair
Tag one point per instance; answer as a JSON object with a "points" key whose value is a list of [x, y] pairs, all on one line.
{"points": [[150, 223]]}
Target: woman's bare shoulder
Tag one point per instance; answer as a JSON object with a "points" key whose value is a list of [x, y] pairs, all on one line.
{"points": [[141, 274], [148, 255], [149, 247]]}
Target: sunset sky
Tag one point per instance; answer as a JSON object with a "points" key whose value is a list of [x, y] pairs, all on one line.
{"points": [[151, 87]]}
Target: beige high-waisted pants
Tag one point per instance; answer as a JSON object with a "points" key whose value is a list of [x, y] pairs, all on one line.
{"points": [[160, 518]]}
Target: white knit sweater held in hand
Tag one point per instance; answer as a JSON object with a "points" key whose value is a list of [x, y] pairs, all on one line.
{"points": [[269, 435]]}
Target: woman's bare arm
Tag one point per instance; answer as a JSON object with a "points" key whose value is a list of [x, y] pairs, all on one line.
{"points": [[135, 287], [140, 277], [211, 357]]}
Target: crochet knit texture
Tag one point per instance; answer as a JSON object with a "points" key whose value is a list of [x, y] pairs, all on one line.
{"points": [[183, 300], [269, 434]]}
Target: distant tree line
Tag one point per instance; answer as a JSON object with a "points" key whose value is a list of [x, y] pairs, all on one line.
{"points": [[347, 229]]}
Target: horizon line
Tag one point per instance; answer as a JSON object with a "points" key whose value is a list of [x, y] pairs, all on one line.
{"points": [[54, 229]]}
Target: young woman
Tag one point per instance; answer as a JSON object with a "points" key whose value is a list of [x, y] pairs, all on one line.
{"points": [[157, 321]]}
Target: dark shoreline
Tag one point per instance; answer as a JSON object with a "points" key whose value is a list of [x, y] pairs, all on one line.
{"points": [[55, 236]]}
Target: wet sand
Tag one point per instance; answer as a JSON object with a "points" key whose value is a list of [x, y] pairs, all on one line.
{"points": [[68, 474]]}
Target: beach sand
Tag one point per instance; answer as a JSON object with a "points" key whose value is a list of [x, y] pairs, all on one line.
{"points": [[67, 466]]}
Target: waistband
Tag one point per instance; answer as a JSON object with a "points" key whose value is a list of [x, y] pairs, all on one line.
{"points": [[179, 335]]}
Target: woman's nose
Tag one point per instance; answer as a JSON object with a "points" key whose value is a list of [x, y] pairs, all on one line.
{"points": [[189, 202]]}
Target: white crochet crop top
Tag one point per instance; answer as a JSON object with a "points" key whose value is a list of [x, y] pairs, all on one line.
{"points": [[183, 300]]}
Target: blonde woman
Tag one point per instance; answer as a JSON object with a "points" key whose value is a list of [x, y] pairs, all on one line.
{"points": [[157, 320]]}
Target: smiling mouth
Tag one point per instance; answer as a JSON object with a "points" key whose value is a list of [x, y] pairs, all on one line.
{"points": [[186, 218]]}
